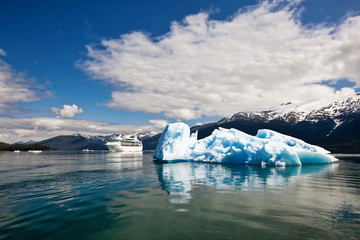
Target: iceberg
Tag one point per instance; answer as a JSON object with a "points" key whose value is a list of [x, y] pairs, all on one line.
{"points": [[267, 148]]}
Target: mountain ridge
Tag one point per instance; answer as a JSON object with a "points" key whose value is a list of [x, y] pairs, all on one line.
{"points": [[325, 123], [313, 111], [82, 141], [331, 124]]}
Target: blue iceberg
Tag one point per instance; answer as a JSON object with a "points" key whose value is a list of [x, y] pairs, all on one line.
{"points": [[267, 148]]}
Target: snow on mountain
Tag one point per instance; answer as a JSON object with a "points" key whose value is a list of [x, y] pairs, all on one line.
{"points": [[338, 110], [324, 108], [145, 135], [29, 142], [100, 139]]}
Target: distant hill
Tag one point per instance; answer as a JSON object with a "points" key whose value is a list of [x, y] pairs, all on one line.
{"points": [[150, 142], [79, 141], [72, 142]]}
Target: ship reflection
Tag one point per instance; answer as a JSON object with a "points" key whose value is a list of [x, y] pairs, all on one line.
{"points": [[122, 160]]}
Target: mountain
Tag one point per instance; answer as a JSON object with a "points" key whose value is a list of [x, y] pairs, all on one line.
{"points": [[80, 141], [71, 142], [338, 110], [333, 124], [26, 142], [150, 142]]}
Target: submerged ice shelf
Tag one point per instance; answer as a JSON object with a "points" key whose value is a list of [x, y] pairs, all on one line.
{"points": [[233, 146]]}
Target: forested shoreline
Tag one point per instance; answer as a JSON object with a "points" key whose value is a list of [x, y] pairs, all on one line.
{"points": [[22, 147]]}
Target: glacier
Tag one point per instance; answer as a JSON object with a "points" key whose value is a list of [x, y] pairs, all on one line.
{"points": [[267, 148]]}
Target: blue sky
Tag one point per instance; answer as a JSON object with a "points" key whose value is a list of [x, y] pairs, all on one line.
{"points": [[154, 53]]}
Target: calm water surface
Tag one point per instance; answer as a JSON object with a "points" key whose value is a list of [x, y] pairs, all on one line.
{"points": [[100, 195]]}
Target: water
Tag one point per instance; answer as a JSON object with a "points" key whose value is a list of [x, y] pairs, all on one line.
{"points": [[100, 195]]}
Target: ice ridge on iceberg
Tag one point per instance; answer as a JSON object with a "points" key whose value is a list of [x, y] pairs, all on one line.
{"points": [[233, 146]]}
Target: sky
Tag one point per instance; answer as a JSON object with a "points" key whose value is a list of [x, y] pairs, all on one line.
{"points": [[104, 67]]}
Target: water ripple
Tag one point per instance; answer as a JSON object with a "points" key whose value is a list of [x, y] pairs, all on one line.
{"points": [[78, 196]]}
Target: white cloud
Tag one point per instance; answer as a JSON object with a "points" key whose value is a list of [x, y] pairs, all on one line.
{"points": [[68, 111], [258, 59], [15, 88], [159, 124], [2, 52], [40, 128]]}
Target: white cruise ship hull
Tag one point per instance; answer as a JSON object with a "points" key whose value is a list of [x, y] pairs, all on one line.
{"points": [[120, 148]]}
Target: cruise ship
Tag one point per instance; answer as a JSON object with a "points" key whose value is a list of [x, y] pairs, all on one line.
{"points": [[124, 144]]}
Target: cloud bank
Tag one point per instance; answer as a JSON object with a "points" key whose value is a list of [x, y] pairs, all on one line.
{"points": [[257, 59], [15, 88], [40, 128], [68, 111], [159, 123]]}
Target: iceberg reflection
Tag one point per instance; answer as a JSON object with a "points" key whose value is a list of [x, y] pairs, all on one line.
{"points": [[178, 179]]}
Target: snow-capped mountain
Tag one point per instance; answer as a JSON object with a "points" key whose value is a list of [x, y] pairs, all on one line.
{"points": [[339, 111], [99, 139], [94, 142], [103, 139], [331, 123], [29, 142]]}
